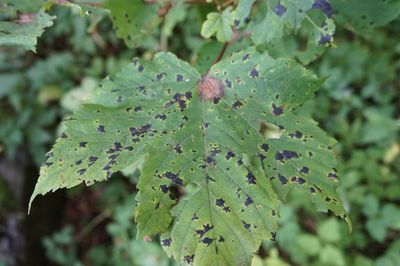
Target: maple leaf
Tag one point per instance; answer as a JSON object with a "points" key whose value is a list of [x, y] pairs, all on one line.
{"points": [[220, 151]]}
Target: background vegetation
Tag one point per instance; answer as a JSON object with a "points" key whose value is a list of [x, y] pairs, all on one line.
{"points": [[359, 104]]}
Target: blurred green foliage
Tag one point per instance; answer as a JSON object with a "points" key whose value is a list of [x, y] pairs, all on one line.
{"points": [[359, 105]]}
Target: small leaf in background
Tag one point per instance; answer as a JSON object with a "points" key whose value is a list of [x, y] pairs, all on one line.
{"points": [[371, 206], [377, 229], [219, 24], [309, 244], [134, 21], [329, 230], [25, 33], [331, 256], [177, 13], [379, 127]]}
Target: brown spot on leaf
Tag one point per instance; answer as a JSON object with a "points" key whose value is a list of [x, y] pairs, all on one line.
{"points": [[210, 88]]}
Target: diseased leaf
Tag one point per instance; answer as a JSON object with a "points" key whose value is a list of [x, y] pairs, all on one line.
{"points": [[269, 30], [219, 24], [242, 13], [361, 14], [134, 21], [221, 151], [26, 32], [291, 15]]}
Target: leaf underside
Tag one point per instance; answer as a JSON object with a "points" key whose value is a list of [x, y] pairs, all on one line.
{"points": [[234, 157]]}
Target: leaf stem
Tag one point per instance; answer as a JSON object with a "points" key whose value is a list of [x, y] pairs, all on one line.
{"points": [[221, 53], [92, 224]]}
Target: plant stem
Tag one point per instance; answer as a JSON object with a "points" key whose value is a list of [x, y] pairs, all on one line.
{"points": [[92, 224], [221, 53]]}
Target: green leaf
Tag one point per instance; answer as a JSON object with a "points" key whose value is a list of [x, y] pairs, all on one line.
{"points": [[242, 12], [291, 16], [332, 256], [379, 126], [362, 15], [201, 139], [176, 14], [23, 6], [219, 24], [329, 230], [269, 30], [377, 229], [134, 21], [371, 206], [24, 34], [308, 244]]}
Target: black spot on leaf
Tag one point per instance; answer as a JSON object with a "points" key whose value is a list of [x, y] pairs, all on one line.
{"points": [[277, 110], [81, 171], [248, 201], [246, 225], [325, 39], [178, 149], [82, 144], [164, 188], [174, 178], [273, 236], [160, 76], [229, 155], [219, 202], [237, 104], [101, 129], [324, 6], [207, 241], [254, 73], [161, 116], [285, 154], [265, 147], [332, 176], [228, 83], [298, 180], [189, 259], [209, 178], [283, 179], [304, 170], [296, 134], [166, 242], [205, 229], [92, 160], [280, 10], [251, 179]]}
